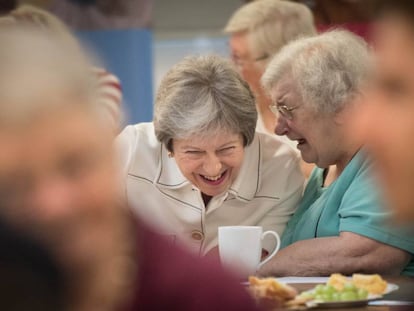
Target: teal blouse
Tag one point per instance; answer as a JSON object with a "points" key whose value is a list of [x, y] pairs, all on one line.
{"points": [[351, 203]]}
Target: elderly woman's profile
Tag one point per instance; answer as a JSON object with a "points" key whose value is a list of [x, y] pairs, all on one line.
{"points": [[200, 164], [341, 224]]}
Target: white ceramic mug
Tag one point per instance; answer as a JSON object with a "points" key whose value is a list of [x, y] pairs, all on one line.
{"points": [[240, 248]]}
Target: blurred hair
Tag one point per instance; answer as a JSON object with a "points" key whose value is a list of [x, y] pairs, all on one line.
{"points": [[108, 86], [328, 69], [40, 73], [203, 95], [271, 24], [32, 16]]}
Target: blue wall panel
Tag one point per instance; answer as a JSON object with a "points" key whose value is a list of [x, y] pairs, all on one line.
{"points": [[127, 54]]}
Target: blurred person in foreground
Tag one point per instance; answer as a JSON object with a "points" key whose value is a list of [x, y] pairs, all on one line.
{"points": [[107, 84], [59, 183], [200, 164], [387, 118], [341, 225], [258, 30]]}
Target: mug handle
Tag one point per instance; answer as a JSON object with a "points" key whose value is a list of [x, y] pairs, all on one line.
{"points": [[276, 236]]}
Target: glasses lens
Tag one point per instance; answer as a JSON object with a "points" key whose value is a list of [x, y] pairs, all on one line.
{"points": [[285, 112]]}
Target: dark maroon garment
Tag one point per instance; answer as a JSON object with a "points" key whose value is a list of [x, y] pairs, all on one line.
{"points": [[172, 279], [361, 29]]}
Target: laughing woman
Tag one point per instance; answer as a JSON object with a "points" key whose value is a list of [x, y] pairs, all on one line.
{"points": [[341, 225], [200, 164]]}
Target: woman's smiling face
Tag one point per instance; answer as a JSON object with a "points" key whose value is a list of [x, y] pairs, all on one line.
{"points": [[212, 162]]}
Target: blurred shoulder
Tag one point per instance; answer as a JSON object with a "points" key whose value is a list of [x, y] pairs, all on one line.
{"points": [[138, 140], [141, 131]]}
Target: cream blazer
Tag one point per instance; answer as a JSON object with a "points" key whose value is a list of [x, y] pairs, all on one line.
{"points": [[265, 193]]}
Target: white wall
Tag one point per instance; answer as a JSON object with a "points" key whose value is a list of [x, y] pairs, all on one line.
{"points": [[185, 27], [168, 52], [177, 18]]}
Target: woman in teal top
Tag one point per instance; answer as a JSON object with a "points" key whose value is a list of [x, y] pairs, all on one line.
{"points": [[340, 225]]}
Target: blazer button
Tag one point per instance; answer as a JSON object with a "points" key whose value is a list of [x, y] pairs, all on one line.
{"points": [[197, 235]]}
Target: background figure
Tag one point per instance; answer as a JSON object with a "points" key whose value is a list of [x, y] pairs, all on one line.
{"points": [[390, 101], [340, 225], [59, 183], [108, 85], [201, 164], [257, 31]]}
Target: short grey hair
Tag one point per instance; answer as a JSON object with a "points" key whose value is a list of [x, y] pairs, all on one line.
{"points": [[328, 69], [35, 65], [203, 95], [271, 24]]}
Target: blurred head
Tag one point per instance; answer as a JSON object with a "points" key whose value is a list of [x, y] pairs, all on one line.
{"points": [[259, 29], [31, 16], [205, 115], [387, 119], [108, 86], [57, 173], [314, 82], [55, 145]]}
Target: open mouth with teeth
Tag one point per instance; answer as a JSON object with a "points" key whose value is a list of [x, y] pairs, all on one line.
{"points": [[214, 180]]}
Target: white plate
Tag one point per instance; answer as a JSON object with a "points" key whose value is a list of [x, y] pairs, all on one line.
{"points": [[352, 303], [391, 288], [296, 279]]}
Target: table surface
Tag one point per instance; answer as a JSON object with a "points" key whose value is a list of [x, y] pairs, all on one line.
{"points": [[405, 294]]}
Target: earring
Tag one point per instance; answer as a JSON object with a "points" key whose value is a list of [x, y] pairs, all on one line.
{"points": [[170, 154]]}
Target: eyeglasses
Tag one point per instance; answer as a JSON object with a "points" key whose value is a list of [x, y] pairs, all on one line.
{"points": [[283, 110], [240, 62]]}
